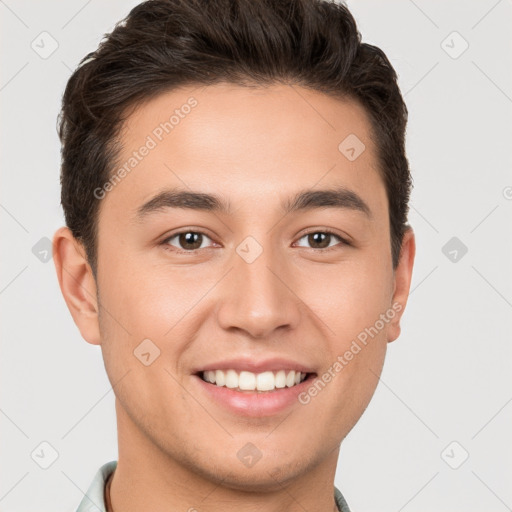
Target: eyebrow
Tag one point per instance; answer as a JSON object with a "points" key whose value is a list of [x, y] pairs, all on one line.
{"points": [[339, 197]]}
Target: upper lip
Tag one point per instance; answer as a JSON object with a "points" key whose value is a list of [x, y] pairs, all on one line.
{"points": [[241, 364]]}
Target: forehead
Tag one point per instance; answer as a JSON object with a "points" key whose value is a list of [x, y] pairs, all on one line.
{"points": [[243, 142]]}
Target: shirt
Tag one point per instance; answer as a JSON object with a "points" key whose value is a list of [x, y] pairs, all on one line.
{"points": [[94, 499]]}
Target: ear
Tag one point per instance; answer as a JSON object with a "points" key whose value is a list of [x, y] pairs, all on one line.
{"points": [[402, 282], [77, 283]]}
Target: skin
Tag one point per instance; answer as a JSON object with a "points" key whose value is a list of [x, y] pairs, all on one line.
{"points": [[254, 147]]}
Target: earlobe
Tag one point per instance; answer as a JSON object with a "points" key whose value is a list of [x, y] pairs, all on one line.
{"points": [[402, 282], [77, 283]]}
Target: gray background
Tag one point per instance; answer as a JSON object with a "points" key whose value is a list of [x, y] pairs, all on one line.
{"points": [[446, 379]]}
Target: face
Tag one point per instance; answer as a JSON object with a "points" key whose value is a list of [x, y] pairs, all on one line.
{"points": [[282, 263]]}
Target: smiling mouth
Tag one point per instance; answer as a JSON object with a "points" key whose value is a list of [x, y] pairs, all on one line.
{"points": [[245, 381]]}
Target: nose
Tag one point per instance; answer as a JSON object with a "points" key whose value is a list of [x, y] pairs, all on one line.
{"points": [[257, 297]]}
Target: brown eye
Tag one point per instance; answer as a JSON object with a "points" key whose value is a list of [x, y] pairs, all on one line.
{"points": [[321, 239], [187, 240]]}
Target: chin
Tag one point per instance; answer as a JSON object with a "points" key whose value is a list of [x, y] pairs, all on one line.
{"points": [[267, 478]]}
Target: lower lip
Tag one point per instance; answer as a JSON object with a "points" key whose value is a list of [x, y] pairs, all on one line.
{"points": [[253, 403]]}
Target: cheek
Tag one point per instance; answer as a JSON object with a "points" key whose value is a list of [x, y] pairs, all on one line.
{"points": [[149, 301], [358, 381], [353, 304], [156, 312], [348, 298]]}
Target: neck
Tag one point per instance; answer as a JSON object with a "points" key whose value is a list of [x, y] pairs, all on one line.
{"points": [[150, 478]]}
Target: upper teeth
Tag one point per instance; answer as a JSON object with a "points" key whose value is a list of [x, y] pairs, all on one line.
{"points": [[248, 381]]}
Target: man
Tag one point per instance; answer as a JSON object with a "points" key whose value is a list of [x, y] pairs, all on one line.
{"points": [[235, 188]]}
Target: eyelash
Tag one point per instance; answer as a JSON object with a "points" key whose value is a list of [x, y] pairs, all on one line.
{"points": [[169, 247], [326, 231]]}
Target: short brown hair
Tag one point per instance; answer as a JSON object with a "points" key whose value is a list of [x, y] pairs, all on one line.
{"points": [[163, 44]]}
